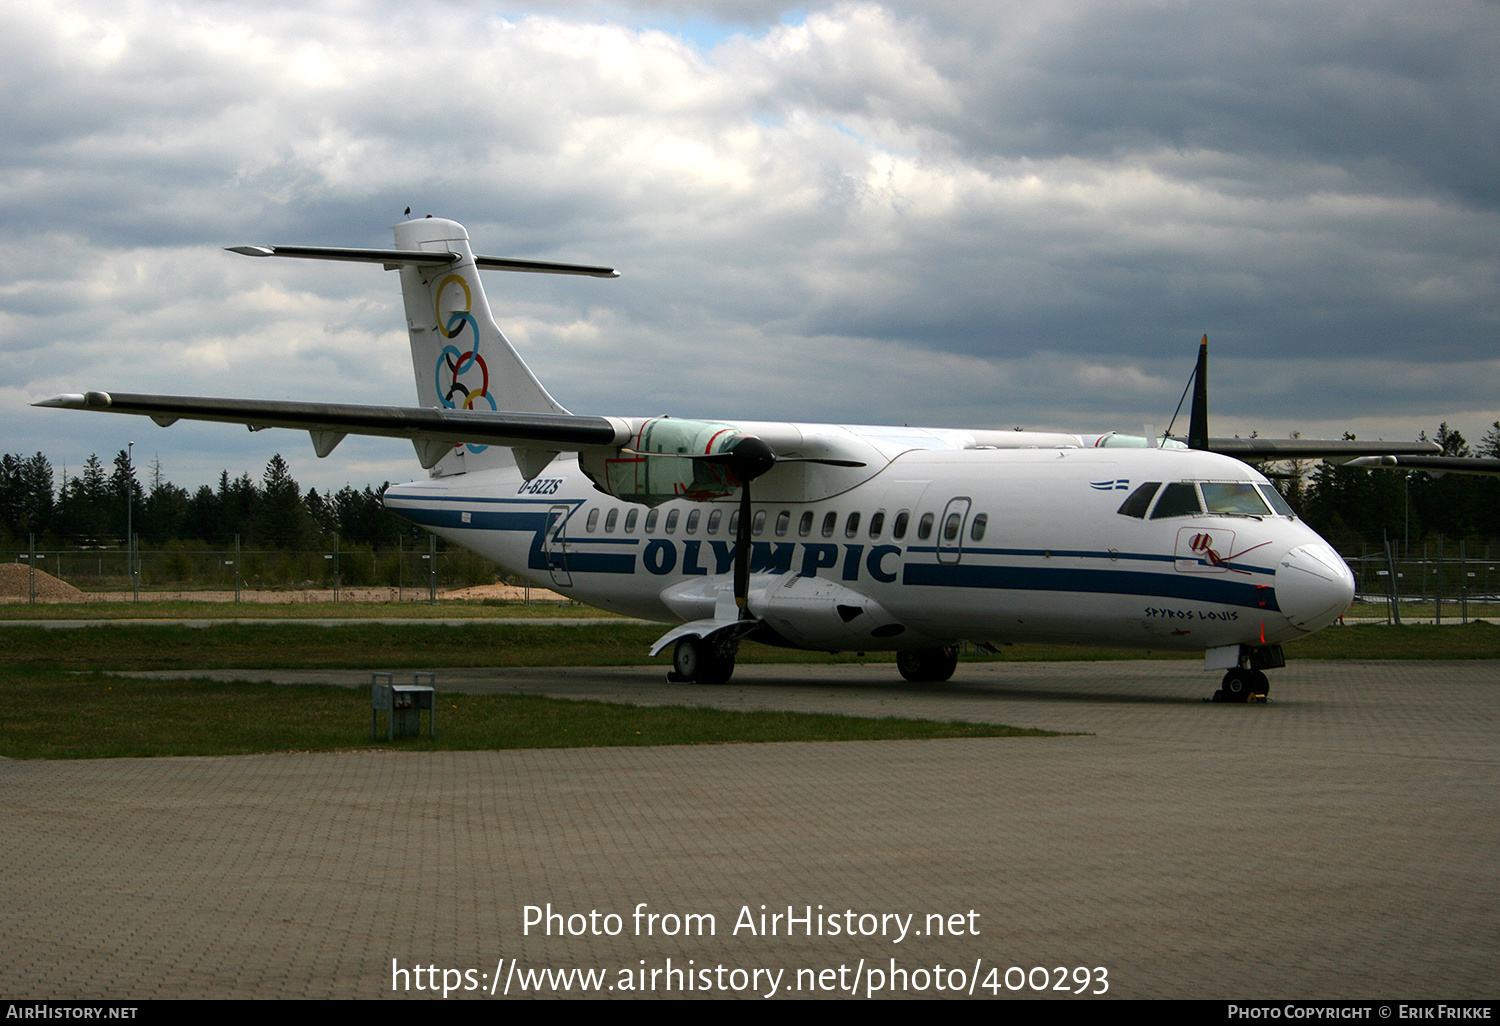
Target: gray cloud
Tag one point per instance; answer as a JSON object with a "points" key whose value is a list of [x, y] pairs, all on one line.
{"points": [[923, 213]]}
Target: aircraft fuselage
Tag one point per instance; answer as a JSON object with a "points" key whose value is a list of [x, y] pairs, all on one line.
{"points": [[986, 545]]}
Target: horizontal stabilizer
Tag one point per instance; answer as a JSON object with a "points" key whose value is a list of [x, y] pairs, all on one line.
{"points": [[421, 258]]}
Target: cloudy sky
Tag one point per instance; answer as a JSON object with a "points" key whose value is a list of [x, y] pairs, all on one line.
{"points": [[940, 213]]}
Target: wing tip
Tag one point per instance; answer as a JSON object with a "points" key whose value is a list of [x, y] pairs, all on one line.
{"points": [[77, 401]]}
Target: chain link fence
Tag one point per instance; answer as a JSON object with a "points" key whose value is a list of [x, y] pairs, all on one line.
{"points": [[1437, 581], [317, 575]]}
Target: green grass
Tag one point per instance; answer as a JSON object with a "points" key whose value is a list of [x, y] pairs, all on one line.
{"points": [[417, 644], [57, 704], [52, 714]]}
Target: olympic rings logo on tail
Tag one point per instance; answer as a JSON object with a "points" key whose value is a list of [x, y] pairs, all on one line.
{"points": [[462, 377]]}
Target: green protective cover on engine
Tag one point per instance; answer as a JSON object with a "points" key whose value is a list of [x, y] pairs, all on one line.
{"points": [[655, 480]]}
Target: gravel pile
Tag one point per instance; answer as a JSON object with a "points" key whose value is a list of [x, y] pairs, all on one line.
{"points": [[15, 585]]}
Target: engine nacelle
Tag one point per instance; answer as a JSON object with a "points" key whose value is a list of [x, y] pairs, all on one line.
{"points": [[653, 480]]}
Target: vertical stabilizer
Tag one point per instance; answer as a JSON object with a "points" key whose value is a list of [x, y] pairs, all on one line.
{"points": [[459, 355], [1198, 414]]}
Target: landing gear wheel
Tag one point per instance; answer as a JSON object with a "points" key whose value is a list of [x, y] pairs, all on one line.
{"points": [[1242, 686], [699, 661], [927, 665]]}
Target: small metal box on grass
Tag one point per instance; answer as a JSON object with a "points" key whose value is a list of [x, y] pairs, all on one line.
{"points": [[403, 705]]}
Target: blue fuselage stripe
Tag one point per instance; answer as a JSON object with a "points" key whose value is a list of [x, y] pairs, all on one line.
{"points": [[532, 523]]}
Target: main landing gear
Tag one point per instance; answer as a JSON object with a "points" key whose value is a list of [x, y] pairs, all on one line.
{"points": [[702, 661], [1243, 685], [927, 665]]}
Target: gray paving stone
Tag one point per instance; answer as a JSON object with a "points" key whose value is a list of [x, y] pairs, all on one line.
{"points": [[1340, 842]]}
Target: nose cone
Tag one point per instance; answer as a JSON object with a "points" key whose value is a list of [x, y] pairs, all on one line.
{"points": [[1313, 586]]}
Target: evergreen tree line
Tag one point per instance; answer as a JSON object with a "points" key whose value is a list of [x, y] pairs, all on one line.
{"points": [[92, 509], [1347, 506]]}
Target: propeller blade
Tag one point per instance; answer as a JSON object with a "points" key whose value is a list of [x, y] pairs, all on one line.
{"points": [[742, 554], [820, 459], [745, 460]]}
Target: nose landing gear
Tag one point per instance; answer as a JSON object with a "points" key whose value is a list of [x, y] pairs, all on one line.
{"points": [[1243, 685]]}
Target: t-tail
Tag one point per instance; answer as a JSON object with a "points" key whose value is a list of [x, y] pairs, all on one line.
{"points": [[460, 357]]}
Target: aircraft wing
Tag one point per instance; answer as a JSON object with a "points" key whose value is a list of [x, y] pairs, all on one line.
{"points": [[1433, 464], [431, 431], [534, 438], [1265, 450]]}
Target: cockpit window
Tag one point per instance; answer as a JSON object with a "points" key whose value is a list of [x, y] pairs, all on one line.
{"points": [[1140, 500], [1238, 498], [1179, 499], [1277, 501]]}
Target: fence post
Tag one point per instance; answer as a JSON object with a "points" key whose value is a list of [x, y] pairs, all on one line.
{"points": [[1395, 596], [1437, 608], [1463, 581]]}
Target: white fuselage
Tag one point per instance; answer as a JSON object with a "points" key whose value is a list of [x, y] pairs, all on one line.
{"points": [[933, 547]]}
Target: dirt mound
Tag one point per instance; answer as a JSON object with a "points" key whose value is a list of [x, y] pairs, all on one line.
{"points": [[509, 592], [15, 585]]}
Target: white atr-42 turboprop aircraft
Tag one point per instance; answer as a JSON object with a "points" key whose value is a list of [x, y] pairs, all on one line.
{"points": [[855, 539]]}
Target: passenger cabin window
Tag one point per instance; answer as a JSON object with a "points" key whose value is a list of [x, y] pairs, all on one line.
{"points": [[1234, 498], [877, 523], [691, 527], [714, 517], [759, 524], [952, 526], [610, 520], [651, 522], [829, 522], [976, 529], [1140, 500], [804, 528], [1179, 499], [630, 519], [898, 530], [593, 520], [924, 526], [783, 521], [851, 529]]}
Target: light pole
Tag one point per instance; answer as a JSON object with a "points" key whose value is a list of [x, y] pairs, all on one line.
{"points": [[130, 518], [1406, 479]]}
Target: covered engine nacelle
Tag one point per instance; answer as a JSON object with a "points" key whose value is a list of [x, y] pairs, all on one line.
{"points": [[640, 473]]}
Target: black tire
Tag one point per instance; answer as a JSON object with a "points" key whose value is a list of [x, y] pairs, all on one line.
{"points": [[1237, 686], [927, 665], [697, 660]]}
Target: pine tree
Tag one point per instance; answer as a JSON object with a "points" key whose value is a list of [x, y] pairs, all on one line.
{"points": [[283, 521]]}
